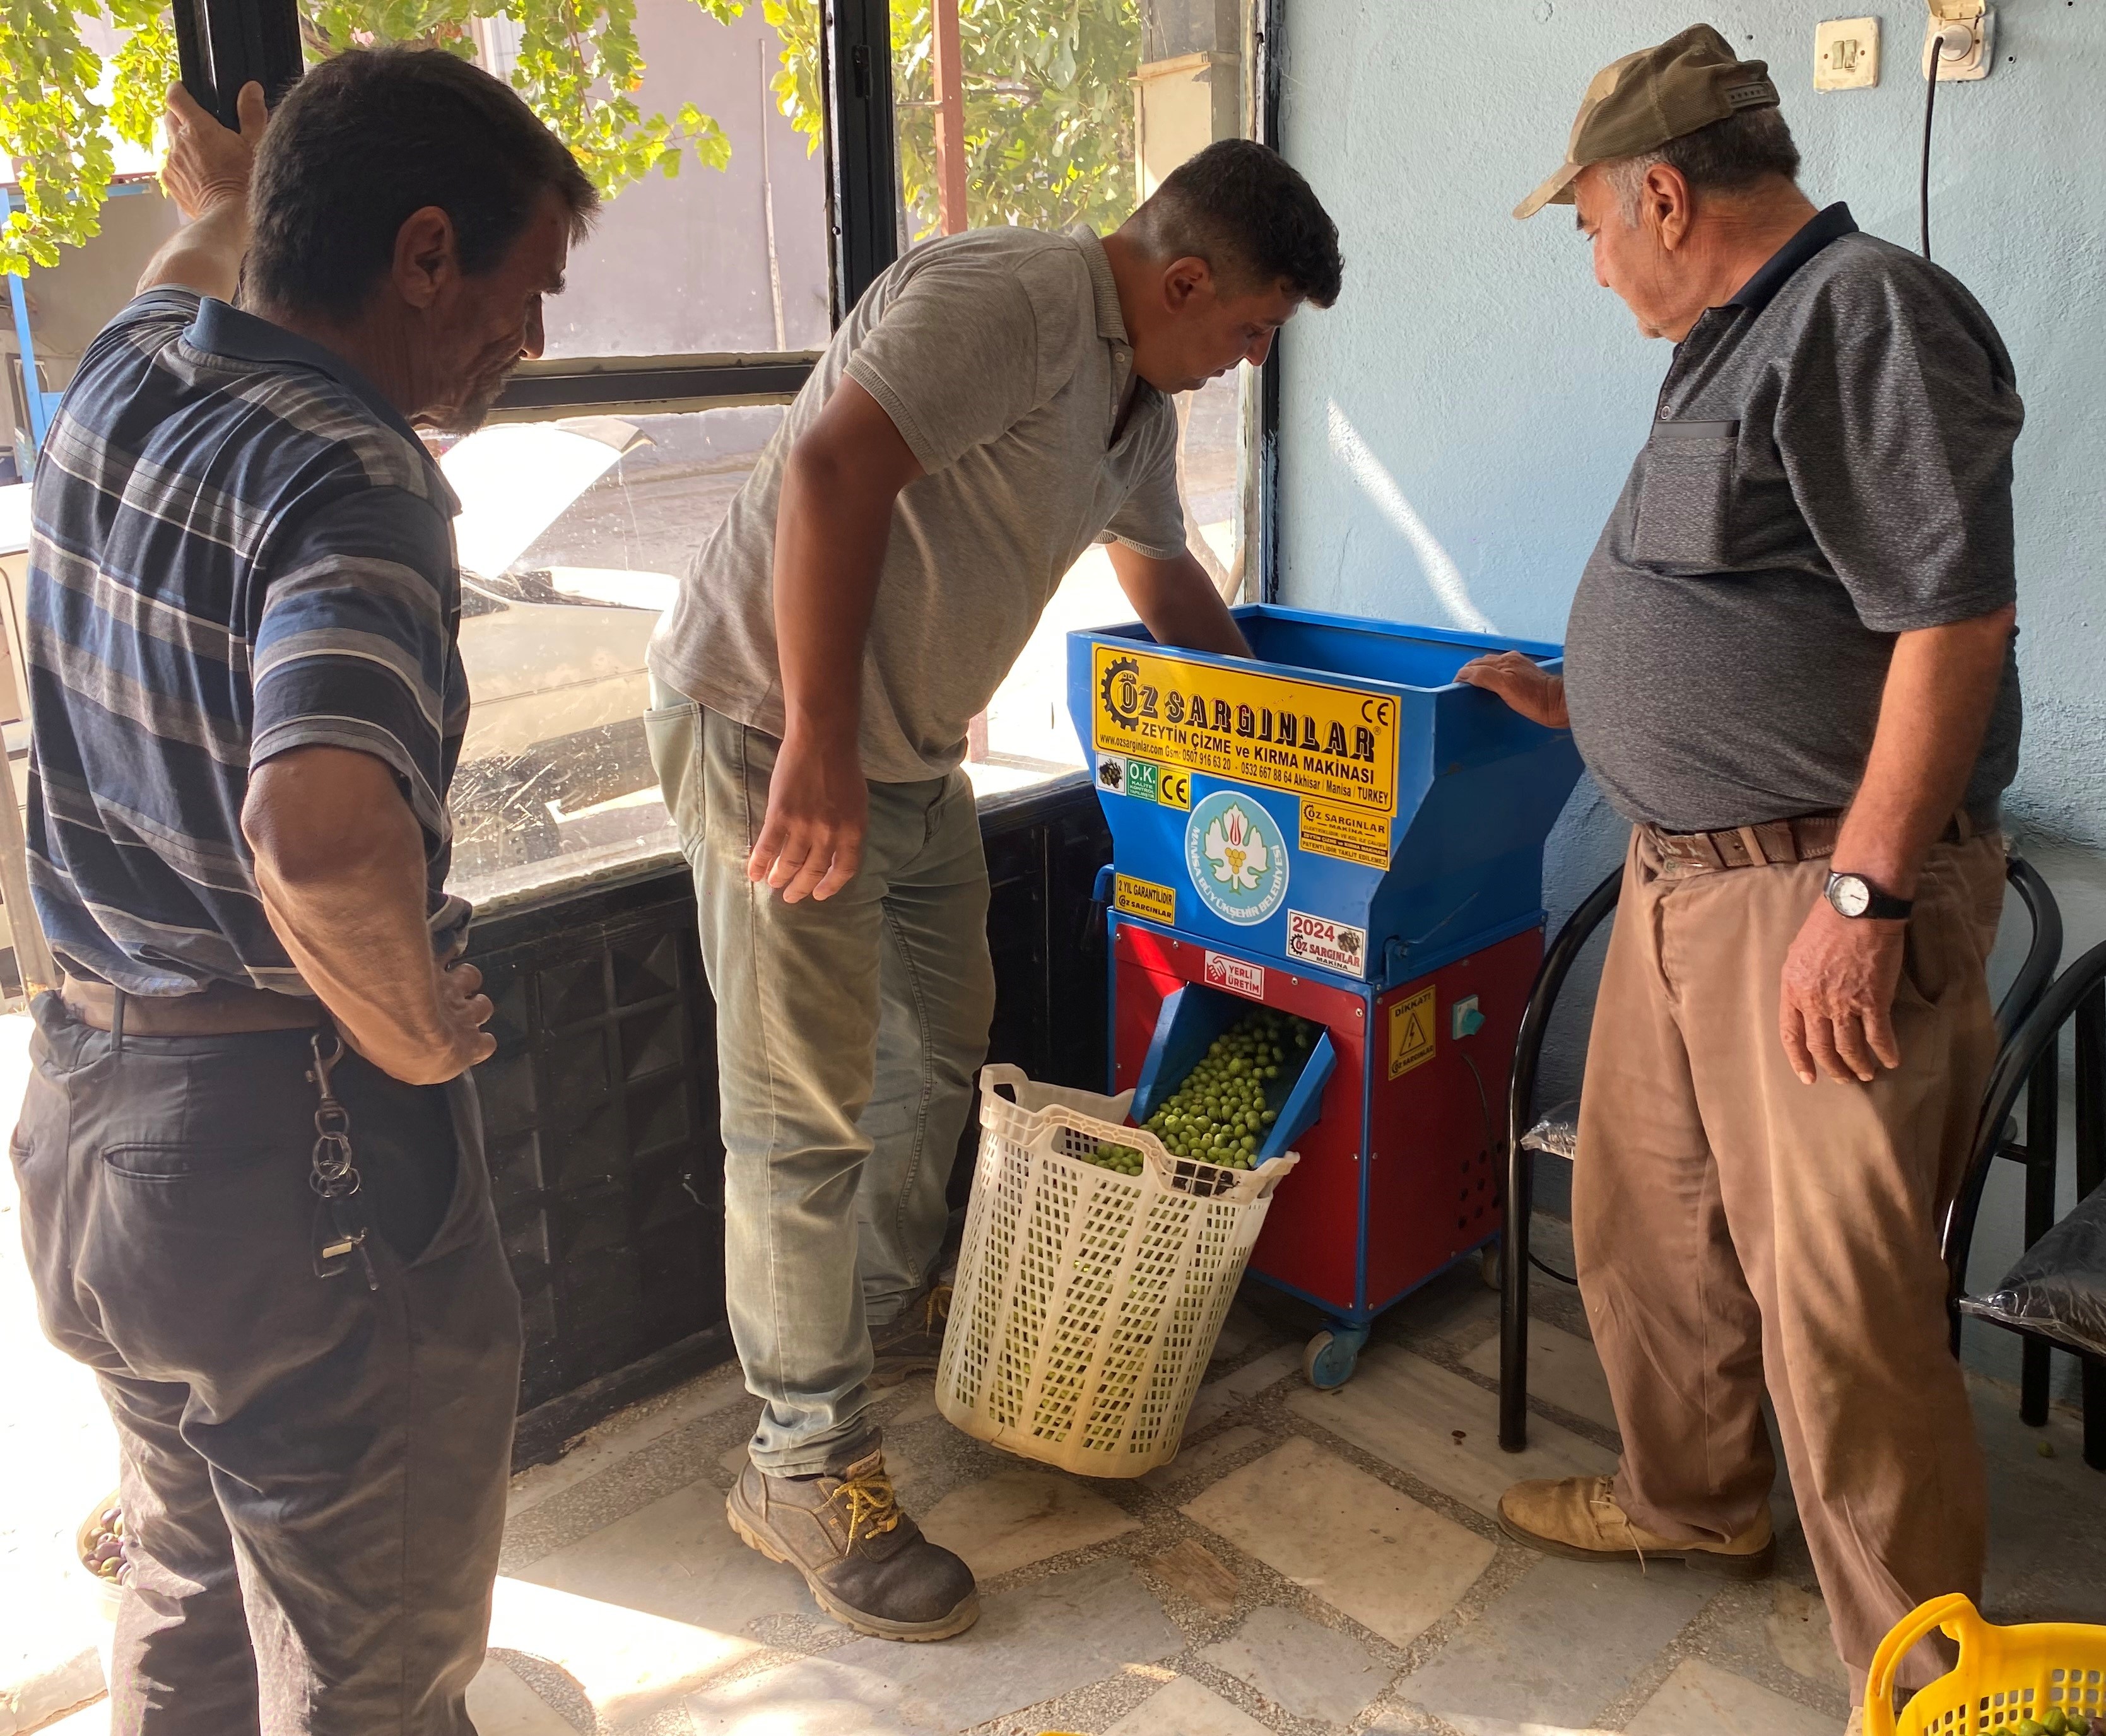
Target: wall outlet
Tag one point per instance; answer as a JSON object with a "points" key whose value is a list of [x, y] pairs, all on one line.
{"points": [[1846, 54], [1982, 51]]}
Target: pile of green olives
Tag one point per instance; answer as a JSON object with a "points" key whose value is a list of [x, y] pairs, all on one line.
{"points": [[1123, 1158], [2055, 1721], [1219, 1114]]}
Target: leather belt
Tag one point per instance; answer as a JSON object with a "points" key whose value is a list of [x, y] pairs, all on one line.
{"points": [[1808, 838], [223, 1009]]}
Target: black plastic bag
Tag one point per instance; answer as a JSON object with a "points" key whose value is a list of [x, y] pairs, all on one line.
{"points": [[2058, 1288]]}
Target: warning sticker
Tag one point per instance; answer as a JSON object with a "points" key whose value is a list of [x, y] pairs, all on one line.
{"points": [[1132, 897], [1338, 745], [1236, 976], [1411, 1032], [1349, 836], [1317, 940]]}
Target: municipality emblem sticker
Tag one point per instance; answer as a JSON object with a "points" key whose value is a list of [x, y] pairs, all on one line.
{"points": [[1236, 857]]}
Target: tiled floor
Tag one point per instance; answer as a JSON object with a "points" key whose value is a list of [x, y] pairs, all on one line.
{"points": [[1311, 1564]]}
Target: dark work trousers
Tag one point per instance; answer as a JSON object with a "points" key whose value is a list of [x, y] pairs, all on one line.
{"points": [[314, 1471]]}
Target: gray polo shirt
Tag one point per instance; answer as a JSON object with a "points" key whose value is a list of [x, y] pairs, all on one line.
{"points": [[1830, 466], [1001, 357]]}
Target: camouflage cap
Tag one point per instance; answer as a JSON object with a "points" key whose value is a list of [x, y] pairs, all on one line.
{"points": [[1640, 102]]}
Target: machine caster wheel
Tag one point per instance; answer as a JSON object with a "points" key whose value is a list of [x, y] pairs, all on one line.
{"points": [[1491, 1265], [1328, 1363]]}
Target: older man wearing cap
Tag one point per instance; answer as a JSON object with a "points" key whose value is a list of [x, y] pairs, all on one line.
{"points": [[1790, 664]]}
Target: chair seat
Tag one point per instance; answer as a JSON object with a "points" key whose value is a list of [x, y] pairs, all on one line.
{"points": [[1558, 1133]]}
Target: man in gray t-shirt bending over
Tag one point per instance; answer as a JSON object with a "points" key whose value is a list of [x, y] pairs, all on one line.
{"points": [[995, 403]]}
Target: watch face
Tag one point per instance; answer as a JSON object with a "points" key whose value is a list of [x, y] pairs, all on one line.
{"points": [[1850, 894]]}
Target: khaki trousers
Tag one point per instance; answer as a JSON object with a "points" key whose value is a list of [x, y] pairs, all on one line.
{"points": [[1737, 1229]]}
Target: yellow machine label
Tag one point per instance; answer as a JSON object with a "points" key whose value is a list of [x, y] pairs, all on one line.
{"points": [[1411, 1032], [1132, 897], [1346, 833], [1336, 745]]}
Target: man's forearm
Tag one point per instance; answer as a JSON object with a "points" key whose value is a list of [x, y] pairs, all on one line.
{"points": [[831, 526], [1177, 602], [348, 901], [205, 254], [1941, 687]]}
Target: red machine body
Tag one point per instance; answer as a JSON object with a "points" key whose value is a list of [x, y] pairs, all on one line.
{"points": [[1398, 1175]]}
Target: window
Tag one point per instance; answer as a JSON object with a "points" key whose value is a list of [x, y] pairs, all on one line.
{"points": [[693, 314], [572, 537], [729, 255], [1045, 114]]}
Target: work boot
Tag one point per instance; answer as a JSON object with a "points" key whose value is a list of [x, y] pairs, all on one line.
{"points": [[1578, 1517], [913, 1343], [867, 1563]]}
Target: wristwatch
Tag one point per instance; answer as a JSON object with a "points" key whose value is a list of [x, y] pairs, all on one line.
{"points": [[1852, 895]]}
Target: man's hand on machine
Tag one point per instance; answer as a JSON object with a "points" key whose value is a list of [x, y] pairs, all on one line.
{"points": [[1525, 685], [1835, 1004], [818, 809]]}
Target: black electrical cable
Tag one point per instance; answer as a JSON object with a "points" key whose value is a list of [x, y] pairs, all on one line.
{"points": [[1929, 106]]}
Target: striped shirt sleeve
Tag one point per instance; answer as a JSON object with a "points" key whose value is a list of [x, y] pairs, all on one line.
{"points": [[353, 649]]}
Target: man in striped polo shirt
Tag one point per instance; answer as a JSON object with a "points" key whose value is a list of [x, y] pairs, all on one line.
{"points": [[248, 702]]}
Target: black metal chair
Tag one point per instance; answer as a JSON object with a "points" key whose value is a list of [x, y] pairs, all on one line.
{"points": [[2031, 1062], [1556, 1134]]}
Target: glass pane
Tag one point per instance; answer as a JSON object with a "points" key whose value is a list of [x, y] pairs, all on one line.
{"points": [[1054, 112], [728, 254], [572, 537]]}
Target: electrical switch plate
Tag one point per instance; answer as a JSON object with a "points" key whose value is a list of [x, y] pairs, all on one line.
{"points": [[1980, 23], [1464, 1019], [1846, 54]]}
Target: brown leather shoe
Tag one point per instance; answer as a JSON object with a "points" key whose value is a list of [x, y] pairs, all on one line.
{"points": [[1578, 1517], [867, 1563], [913, 1343]]}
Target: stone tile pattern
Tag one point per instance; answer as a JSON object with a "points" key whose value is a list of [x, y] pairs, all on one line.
{"points": [[1312, 1562]]}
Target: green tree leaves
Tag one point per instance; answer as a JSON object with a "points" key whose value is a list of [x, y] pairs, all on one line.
{"points": [[59, 120], [580, 67], [1048, 98], [1049, 106]]}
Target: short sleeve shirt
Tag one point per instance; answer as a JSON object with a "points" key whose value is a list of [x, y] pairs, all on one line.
{"points": [[238, 548], [1001, 357], [1829, 467]]}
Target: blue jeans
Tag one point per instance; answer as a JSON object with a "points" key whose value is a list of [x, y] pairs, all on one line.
{"points": [[849, 1033]]}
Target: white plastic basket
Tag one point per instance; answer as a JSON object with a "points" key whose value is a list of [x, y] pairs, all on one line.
{"points": [[1087, 1302]]}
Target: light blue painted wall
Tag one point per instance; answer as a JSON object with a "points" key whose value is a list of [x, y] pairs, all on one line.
{"points": [[1455, 431]]}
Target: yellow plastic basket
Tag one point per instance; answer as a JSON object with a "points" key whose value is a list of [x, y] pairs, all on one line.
{"points": [[2004, 1674]]}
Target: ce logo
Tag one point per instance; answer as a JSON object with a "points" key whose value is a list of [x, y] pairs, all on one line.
{"points": [[1375, 711], [1176, 790]]}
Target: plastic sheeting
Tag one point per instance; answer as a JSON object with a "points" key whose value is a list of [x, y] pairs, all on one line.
{"points": [[1558, 1133], [2058, 1288]]}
